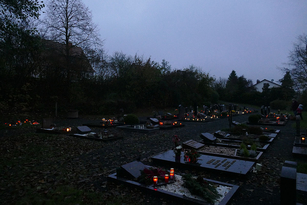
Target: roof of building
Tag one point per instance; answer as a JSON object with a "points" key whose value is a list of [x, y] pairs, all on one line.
{"points": [[265, 80]]}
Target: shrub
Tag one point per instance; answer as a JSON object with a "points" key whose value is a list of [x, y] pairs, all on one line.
{"points": [[242, 146], [253, 119], [279, 104], [255, 130], [263, 138], [254, 147], [131, 119]]}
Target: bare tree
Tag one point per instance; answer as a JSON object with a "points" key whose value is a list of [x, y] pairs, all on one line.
{"points": [[298, 63], [70, 22]]}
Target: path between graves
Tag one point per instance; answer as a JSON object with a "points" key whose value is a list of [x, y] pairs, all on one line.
{"points": [[256, 188]]}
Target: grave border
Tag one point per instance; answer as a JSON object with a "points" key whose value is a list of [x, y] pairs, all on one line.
{"points": [[159, 192]]}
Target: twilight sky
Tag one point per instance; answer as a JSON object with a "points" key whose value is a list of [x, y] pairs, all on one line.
{"points": [[252, 37]]}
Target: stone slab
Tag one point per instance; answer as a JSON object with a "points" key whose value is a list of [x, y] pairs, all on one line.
{"points": [[210, 162], [208, 137], [301, 182], [84, 129], [299, 150], [191, 144], [134, 168], [47, 122]]}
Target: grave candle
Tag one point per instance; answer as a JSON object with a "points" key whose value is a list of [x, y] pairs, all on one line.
{"points": [[68, 129], [166, 177], [155, 180], [303, 139], [171, 173]]}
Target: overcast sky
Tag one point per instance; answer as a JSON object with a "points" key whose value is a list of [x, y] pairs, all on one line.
{"points": [[252, 37]]}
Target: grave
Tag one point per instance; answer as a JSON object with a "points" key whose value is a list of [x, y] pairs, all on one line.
{"points": [[207, 162], [220, 133], [132, 170], [208, 138], [47, 123], [138, 128], [191, 144], [228, 152], [300, 145], [84, 129]]}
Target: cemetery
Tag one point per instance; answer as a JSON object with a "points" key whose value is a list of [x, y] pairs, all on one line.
{"points": [[223, 158]]}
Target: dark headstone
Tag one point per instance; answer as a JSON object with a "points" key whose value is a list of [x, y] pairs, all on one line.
{"points": [[288, 186], [84, 129], [207, 137], [220, 133], [236, 123], [133, 169], [47, 122], [191, 144], [154, 120], [181, 113]]}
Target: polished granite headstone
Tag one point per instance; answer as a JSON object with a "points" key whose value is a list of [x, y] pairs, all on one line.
{"points": [[191, 144], [84, 129], [223, 164], [133, 169], [288, 185]]}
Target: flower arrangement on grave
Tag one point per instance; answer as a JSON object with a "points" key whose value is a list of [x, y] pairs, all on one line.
{"points": [[191, 156], [148, 174], [201, 187], [177, 148]]}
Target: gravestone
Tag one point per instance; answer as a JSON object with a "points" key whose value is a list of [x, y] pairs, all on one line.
{"points": [[154, 120], [133, 169], [288, 186], [47, 122], [84, 129], [207, 137], [181, 113], [236, 123], [191, 144], [220, 133]]}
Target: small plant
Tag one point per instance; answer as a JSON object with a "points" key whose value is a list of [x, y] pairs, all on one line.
{"points": [[131, 119], [263, 138], [255, 130], [242, 146], [254, 147], [245, 152], [253, 119]]}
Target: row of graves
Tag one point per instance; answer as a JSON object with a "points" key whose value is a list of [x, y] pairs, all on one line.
{"points": [[217, 111], [299, 144], [235, 151], [93, 131]]}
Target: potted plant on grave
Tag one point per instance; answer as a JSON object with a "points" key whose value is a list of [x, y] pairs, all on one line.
{"points": [[177, 148], [191, 156]]}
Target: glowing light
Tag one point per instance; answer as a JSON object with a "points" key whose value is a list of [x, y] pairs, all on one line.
{"points": [[155, 180]]}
